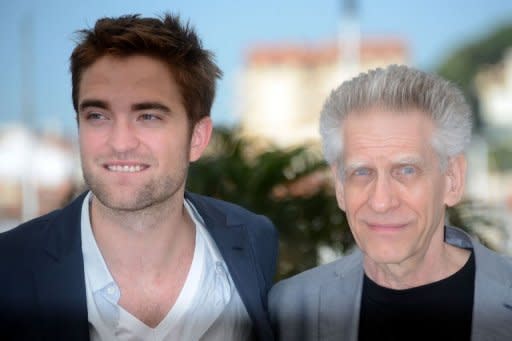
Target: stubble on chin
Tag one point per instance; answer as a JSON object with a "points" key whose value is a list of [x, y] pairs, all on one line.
{"points": [[147, 195]]}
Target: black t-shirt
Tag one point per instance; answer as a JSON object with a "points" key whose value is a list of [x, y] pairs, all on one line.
{"points": [[437, 311]]}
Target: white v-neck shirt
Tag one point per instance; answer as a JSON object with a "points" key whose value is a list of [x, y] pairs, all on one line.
{"points": [[207, 308]]}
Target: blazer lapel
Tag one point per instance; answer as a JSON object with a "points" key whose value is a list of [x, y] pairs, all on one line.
{"points": [[233, 243], [340, 301], [59, 276], [492, 306]]}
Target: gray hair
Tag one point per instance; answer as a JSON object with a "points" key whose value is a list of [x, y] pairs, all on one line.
{"points": [[398, 87]]}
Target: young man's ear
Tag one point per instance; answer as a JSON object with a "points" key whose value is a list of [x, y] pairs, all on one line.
{"points": [[338, 186], [455, 180], [200, 138]]}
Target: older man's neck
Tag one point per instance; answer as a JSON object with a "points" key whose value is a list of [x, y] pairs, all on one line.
{"points": [[430, 267]]}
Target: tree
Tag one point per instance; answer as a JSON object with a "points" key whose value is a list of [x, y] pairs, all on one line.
{"points": [[462, 66]]}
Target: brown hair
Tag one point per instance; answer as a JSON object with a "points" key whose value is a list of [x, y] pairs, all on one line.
{"points": [[165, 38]]}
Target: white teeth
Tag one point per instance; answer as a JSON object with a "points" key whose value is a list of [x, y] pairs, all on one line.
{"points": [[125, 168]]}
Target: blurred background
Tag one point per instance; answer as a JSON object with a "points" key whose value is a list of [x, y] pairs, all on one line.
{"points": [[280, 61]]}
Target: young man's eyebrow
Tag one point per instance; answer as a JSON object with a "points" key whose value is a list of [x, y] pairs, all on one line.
{"points": [[150, 105], [93, 103], [135, 107]]}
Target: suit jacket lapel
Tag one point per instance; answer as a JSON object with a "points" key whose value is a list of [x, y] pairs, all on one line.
{"points": [[492, 306], [340, 301], [59, 276], [232, 240]]}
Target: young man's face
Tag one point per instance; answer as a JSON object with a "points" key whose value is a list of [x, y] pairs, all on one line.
{"points": [[134, 138], [393, 190]]}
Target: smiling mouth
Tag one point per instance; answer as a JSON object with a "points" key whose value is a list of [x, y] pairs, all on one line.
{"points": [[386, 227], [126, 168]]}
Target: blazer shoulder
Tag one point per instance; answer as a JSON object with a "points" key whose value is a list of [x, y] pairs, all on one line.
{"points": [[18, 248], [313, 278], [489, 263], [494, 265], [307, 280], [27, 229], [222, 205], [292, 301], [24, 235], [235, 213]]}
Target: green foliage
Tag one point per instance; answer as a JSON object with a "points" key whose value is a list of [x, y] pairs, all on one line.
{"points": [[262, 182], [478, 220], [500, 156], [464, 63], [462, 66]]}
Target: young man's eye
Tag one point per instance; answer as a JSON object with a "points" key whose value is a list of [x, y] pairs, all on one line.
{"points": [[94, 116], [149, 117]]}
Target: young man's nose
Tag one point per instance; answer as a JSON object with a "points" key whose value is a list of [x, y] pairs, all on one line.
{"points": [[123, 136]]}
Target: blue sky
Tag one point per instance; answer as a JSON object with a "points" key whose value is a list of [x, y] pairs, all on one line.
{"points": [[432, 28]]}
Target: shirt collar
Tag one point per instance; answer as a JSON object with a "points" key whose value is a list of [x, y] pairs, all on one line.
{"points": [[94, 264], [200, 228]]}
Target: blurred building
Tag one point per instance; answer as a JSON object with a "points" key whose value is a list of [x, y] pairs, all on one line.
{"points": [[490, 168], [38, 174], [284, 86], [494, 88]]}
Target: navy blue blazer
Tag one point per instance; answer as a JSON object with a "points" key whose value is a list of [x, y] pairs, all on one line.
{"points": [[42, 285]]}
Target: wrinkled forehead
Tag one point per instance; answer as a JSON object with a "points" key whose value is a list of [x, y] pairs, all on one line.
{"points": [[384, 133], [395, 160]]}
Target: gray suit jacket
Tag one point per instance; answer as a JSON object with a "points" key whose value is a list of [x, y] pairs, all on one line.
{"points": [[323, 303]]}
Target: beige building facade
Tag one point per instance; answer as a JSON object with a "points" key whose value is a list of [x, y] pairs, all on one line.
{"points": [[284, 86]]}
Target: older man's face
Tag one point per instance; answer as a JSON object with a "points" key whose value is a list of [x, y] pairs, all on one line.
{"points": [[393, 190]]}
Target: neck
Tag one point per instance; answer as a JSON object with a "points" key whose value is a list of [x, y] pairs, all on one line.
{"points": [[436, 264], [144, 241]]}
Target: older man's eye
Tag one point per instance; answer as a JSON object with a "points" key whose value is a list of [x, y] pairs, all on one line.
{"points": [[408, 170], [405, 171], [362, 172]]}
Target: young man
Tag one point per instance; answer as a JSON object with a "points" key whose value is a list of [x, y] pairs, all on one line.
{"points": [[395, 140], [137, 257]]}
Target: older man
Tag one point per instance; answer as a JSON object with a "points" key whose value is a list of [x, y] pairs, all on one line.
{"points": [[395, 141]]}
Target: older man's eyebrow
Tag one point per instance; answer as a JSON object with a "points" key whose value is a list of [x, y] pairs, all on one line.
{"points": [[151, 106], [96, 103], [409, 160], [352, 166]]}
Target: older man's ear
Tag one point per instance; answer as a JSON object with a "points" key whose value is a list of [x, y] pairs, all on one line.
{"points": [[338, 187], [455, 177]]}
